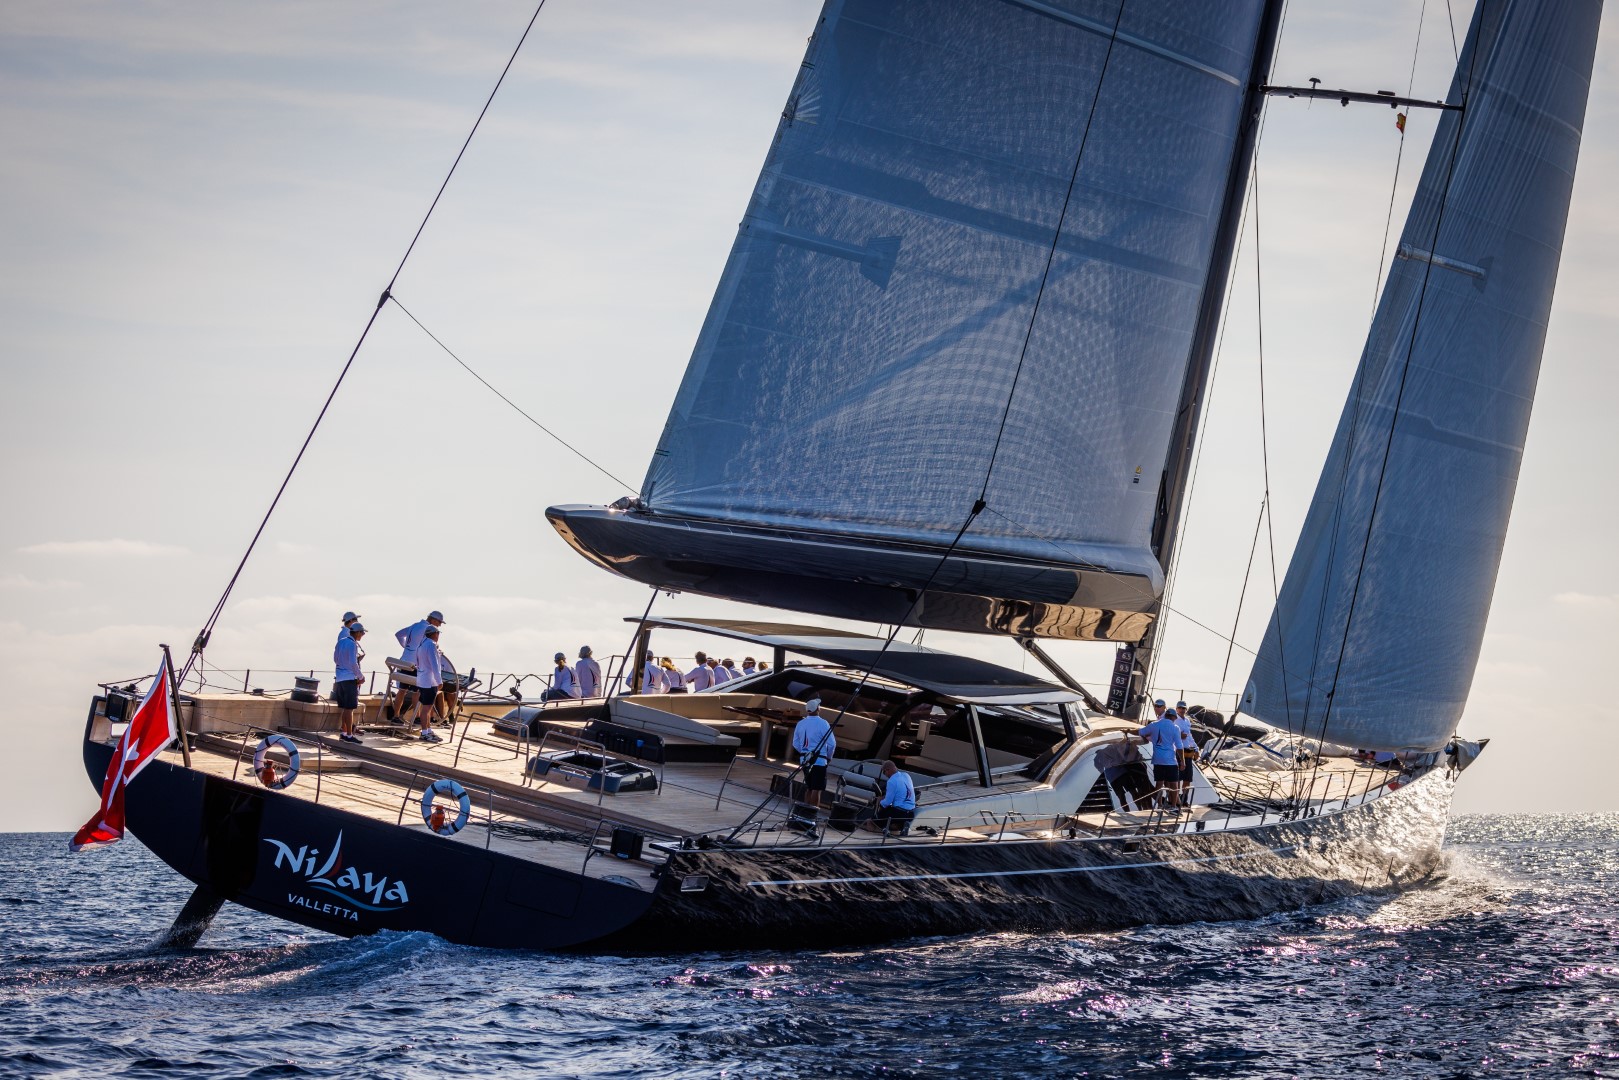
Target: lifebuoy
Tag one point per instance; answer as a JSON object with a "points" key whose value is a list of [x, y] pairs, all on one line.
{"points": [[292, 760], [454, 791]]}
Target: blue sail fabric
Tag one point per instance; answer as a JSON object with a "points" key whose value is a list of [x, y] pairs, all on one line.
{"points": [[1376, 634], [855, 367]]}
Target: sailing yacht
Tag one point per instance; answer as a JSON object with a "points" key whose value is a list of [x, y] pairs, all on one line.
{"points": [[951, 379]]}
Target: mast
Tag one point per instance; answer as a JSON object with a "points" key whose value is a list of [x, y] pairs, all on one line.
{"points": [[1177, 466]]}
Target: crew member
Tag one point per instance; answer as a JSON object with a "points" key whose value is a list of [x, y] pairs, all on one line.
{"points": [[673, 681], [699, 678], [1188, 752], [410, 639], [429, 681], [652, 680], [588, 673], [563, 682], [815, 743], [897, 807], [349, 619], [718, 672], [749, 665], [730, 666], [1166, 767], [346, 683]]}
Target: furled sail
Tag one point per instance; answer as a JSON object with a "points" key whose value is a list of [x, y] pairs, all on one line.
{"points": [[887, 326], [1376, 634]]}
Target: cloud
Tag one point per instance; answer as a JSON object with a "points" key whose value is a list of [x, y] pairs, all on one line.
{"points": [[98, 549], [288, 547], [23, 581], [1586, 600]]}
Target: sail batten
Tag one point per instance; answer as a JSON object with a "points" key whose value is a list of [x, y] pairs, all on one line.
{"points": [[1378, 627]]}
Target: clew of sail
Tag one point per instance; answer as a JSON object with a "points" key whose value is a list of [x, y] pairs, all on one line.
{"points": [[1376, 633], [886, 326]]}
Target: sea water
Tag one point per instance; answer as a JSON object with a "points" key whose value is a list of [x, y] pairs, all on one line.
{"points": [[1506, 965]]}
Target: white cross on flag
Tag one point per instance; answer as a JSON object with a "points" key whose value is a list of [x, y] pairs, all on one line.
{"points": [[152, 728]]}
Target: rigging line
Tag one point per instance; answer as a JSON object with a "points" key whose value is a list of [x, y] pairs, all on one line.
{"points": [[1253, 548], [1405, 368], [481, 112], [566, 445], [1455, 53], [1264, 449], [201, 641], [1051, 257]]}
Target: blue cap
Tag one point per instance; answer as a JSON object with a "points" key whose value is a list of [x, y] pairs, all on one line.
{"points": [[1159, 704], [439, 615], [1180, 704]]}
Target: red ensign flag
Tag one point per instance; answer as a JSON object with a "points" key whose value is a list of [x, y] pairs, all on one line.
{"points": [[151, 729]]}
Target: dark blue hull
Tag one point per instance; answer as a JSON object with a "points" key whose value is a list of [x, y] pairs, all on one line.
{"points": [[337, 871]]}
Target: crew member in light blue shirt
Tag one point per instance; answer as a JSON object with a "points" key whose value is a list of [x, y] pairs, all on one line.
{"points": [[429, 681], [564, 684], [897, 806], [1166, 743], [815, 743], [589, 674], [346, 682]]}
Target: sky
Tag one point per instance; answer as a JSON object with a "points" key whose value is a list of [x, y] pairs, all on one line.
{"points": [[201, 202]]}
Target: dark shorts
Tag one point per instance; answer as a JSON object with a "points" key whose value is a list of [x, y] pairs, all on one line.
{"points": [[347, 694], [1166, 774], [894, 813], [815, 778], [1187, 768], [429, 694]]}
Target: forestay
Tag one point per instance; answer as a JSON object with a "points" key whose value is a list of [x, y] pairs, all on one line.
{"points": [[1377, 631], [865, 340]]}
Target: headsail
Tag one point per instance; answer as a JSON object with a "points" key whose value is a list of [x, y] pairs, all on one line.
{"points": [[886, 325], [1377, 631]]}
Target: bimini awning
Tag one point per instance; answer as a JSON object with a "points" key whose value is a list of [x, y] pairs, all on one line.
{"points": [[958, 678]]}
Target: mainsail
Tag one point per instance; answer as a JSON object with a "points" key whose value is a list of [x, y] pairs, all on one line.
{"points": [[974, 262], [1377, 630]]}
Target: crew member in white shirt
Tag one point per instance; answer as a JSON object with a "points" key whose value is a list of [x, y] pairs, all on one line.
{"points": [[429, 681], [699, 678], [346, 682], [730, 666], [718, 672], [410, 639], [815, 743], [588, 673], [674, 682], [563, 682], [349, 619], [1188, 751], [749, 665], [652, 680]]}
